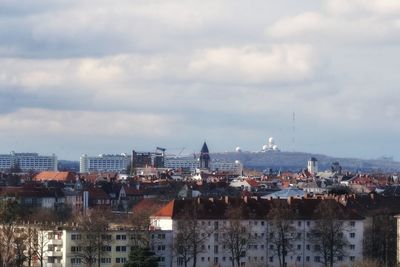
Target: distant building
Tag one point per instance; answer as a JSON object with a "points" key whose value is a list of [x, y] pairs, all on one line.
{"points": [[147, 159], [312, 166], [204, 157], [270, 146], [204, 161], [104, 163], [28, 162]]}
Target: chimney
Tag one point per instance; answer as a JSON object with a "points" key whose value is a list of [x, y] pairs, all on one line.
{"points": [[198, 200], [289, 200], [227, 200], [211, 199], [245, 199]]}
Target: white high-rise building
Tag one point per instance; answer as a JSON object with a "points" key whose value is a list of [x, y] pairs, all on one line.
{"points": [[103, 163], [28, 162]]}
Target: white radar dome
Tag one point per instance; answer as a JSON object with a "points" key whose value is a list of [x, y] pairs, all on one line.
{"points": [[275, 147], [271, 140], [238, 149], [265, 147]]}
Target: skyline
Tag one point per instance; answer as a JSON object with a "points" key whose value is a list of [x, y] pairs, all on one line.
{"points": [[98, 77]]}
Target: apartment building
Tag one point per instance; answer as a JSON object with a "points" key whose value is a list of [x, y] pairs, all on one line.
{"points": [[61, 247], [104, 163], [28, 162], [213, 220]]}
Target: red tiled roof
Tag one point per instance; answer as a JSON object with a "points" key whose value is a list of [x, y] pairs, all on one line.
{"points": [[54, 176], [166, 211], [148, 204], [252, 182]]}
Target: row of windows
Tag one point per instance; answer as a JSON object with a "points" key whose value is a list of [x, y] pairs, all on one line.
{"points": [[180, 261]]}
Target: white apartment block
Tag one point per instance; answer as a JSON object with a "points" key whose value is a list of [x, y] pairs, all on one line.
{"points": [[192, 164], [61, 247], [260, 251], [28, 161], [104, 163]]}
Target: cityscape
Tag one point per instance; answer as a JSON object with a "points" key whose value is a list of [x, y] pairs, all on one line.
{"points": [[200, 133], [194, 211]]}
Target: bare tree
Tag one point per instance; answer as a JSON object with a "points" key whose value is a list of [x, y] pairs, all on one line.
{"points": [[282, 233], [139, 223], [380, 239], [236, 236], [328, 232], [190, 237], [9, 213], [93, 240], [41, 246], [31, 243]]}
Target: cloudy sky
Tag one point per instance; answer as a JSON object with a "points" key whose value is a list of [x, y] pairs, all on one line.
{"points": [[98, 76]]}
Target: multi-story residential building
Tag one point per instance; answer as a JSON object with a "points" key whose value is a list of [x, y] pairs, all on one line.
{"points": [[104, 163], [213, 218], [28, 162], [61, 246]]}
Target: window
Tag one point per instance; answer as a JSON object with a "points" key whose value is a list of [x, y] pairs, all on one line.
{"points": [[161, 247], [298, 258], [202, 259], [352, 246], [161, 236], [76, 237], [271, 246], [215, 260], [76, 261], [120, 248], [105, 260], [352, 235], [106, 237], [216, 249], [308, 258], [352, 258], [121, 237], [106, 248], [340, 258], [308, 247], [299, 223], [308, 223], [262, 223], [317, 259], [298, 235], [352, 223], [215, 225], [120, 260], [76, 249], [180, 261], [298, 247], [215, 237], [271, 259], [223, 258]]}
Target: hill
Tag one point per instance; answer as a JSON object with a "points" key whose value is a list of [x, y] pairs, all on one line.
{"points": [[295, 161]]}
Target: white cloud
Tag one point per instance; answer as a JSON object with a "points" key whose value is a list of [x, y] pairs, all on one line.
{"points": [[42, 122], [280, 63]]}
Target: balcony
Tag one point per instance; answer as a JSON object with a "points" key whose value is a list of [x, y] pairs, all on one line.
{"points": [[56, 253], [55, 242]]}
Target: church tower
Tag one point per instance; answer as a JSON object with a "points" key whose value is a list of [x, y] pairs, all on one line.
{"points": [[204, 157]]}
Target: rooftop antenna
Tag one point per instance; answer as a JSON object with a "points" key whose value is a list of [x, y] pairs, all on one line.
{"points": [[294, 130]]}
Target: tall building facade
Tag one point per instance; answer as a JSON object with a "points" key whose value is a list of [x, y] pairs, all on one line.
{"points": [[104, 163], [28, 162]]}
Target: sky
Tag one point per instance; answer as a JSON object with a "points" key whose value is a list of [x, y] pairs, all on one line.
{"points": [[97, 76]]}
